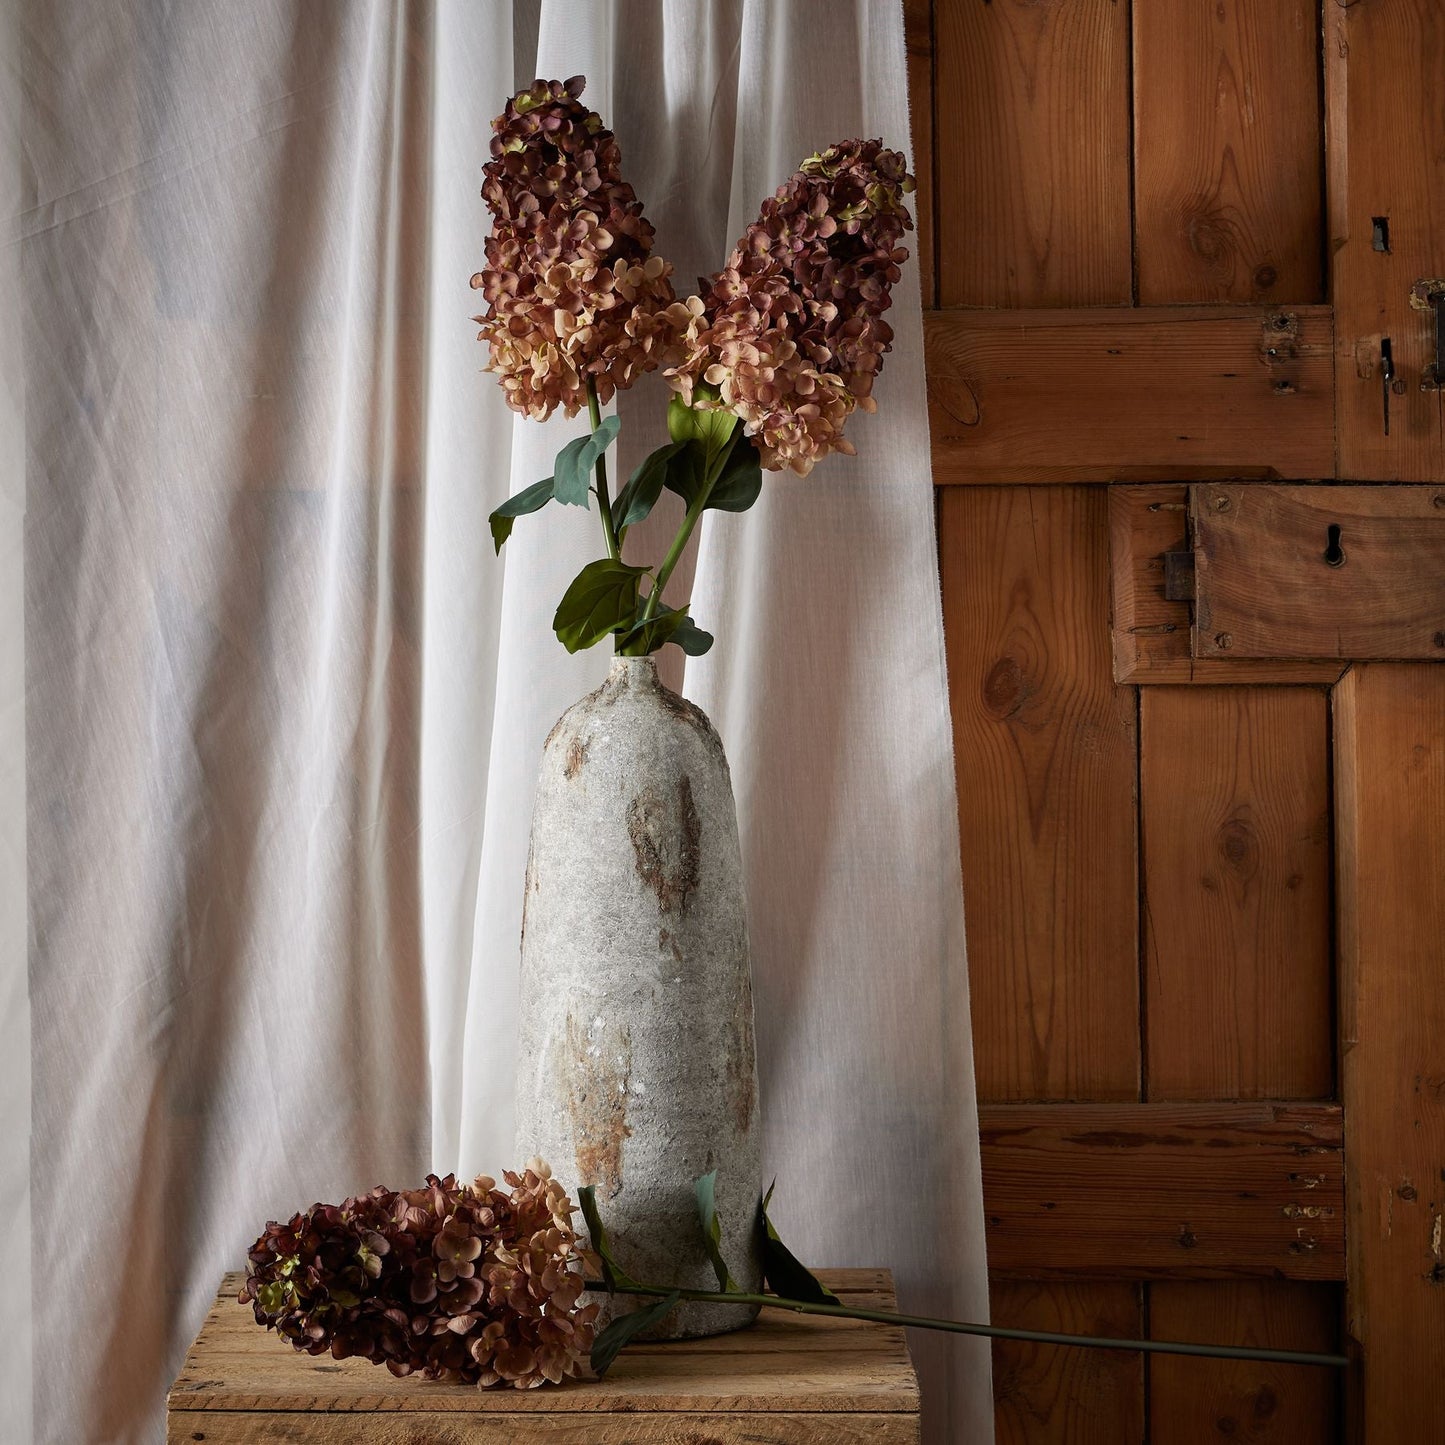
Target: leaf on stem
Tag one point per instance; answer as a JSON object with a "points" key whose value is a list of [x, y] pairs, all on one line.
{"points": [[741, 482], [712, 426], [671, 624], [529, 499], [620, 1331], [785, 1274], [693, 639], [644, 486], [706, 1191], [603, 595], [573, 467], [613, 1274]]}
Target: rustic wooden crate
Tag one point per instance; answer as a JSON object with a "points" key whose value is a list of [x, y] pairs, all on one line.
{"points": [[788, 1378]]}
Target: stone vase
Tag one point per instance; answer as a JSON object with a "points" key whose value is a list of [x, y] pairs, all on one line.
{"points": [[637, 1072]]}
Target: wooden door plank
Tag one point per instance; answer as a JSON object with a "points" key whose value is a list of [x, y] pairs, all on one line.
{"points": [[1390, 837], [918, 33], [1045, 750], [1151, 1191], [1033, 153], [1235, 818], [1048, 1395], [1152, 634], [1159, 393], [1385, 112], [1338, 572], [1202, 1402], [1227, 152]]}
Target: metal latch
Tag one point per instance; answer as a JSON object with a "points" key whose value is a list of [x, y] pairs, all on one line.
{"points": [[1429, 295]]}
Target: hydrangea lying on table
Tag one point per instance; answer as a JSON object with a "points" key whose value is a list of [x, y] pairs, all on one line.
{"points": [[766, 364]]}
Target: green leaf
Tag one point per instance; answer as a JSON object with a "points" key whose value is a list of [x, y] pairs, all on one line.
{"points": [[606, 1346], [573, 467], [741, 482], [712, 426], [685, 470], [693, 639], [612, 1273], [644, 486], [705, 1189], [782, 1269], [602, 597], [529, 499]]}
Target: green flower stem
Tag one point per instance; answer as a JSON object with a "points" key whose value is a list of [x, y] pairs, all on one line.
{"points": [[689, 521], [604, 502], [996, 1332]]}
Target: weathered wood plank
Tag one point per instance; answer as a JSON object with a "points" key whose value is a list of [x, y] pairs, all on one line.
{"points": [[1033, 153], [1337, 572], [1235, 809], [1151, 634], [785, 1363], [1390, 839], [1227, 152], [1156, 393], [1048, 1395], [1150, 1191], [1201, 1402], [1045, 749], [1385, 112], [438, 1428], [918, 33]]}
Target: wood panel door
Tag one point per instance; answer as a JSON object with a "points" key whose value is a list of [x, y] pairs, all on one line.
{"points": [[1171, 243]]}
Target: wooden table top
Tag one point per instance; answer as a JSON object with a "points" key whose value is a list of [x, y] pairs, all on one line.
{"points": [[787, 1378]]}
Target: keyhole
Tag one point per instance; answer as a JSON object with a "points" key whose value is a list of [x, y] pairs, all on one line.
{"points": [[1334, 553]]}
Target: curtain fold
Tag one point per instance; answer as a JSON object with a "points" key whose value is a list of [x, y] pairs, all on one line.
{"points": [[283, 708]]}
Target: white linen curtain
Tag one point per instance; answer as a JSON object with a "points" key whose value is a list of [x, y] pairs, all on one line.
{"points": [[271, 750]]}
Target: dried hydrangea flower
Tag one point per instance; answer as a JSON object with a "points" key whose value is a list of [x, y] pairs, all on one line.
{"points": [[452, 1281], [573, 291], [790, 332]]}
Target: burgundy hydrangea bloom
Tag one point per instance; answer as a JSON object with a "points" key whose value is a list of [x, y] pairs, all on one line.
{"points": [[459, 1282], [573, 291], [791, 331]]}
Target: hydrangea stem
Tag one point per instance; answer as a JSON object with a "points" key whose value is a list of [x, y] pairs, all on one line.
{"points": [[997, 1332], [684, 532], [604, 502]]}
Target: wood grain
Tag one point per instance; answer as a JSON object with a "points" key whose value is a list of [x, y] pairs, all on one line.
{"points": [[787, 1379], [1032, 102], [1151, 634], [1052, 1395], [1264, 586], [1201, 1402], [1390, 831], [1149, 1191], [918, 34], [1137, 394], [1227, 152], [1045, 750], [1385, 110], [1235, 817]]}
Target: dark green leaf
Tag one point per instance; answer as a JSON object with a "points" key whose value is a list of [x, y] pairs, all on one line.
{"points": [[573, 467], [648, 635], [603, 595], [620, 1331], [690, 637], [741, 482], [612, 1273], [781, 1268], [529, 499], [644, 486], [706, 1188], [685, 470]]}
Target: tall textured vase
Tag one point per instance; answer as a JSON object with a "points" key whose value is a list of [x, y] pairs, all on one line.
{"points": [[637, 1070]]}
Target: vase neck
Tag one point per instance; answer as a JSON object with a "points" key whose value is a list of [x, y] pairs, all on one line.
{"points": [[634, 671]]}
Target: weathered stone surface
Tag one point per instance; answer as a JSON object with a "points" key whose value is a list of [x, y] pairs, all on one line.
{"points": [[637, 1070]]}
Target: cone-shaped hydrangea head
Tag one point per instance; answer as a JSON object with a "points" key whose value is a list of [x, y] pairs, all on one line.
{"points": [[790, 332], [573, 291], [451, 1281]]}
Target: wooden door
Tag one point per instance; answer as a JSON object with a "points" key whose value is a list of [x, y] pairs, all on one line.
{"points": [[1167, 244]]}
